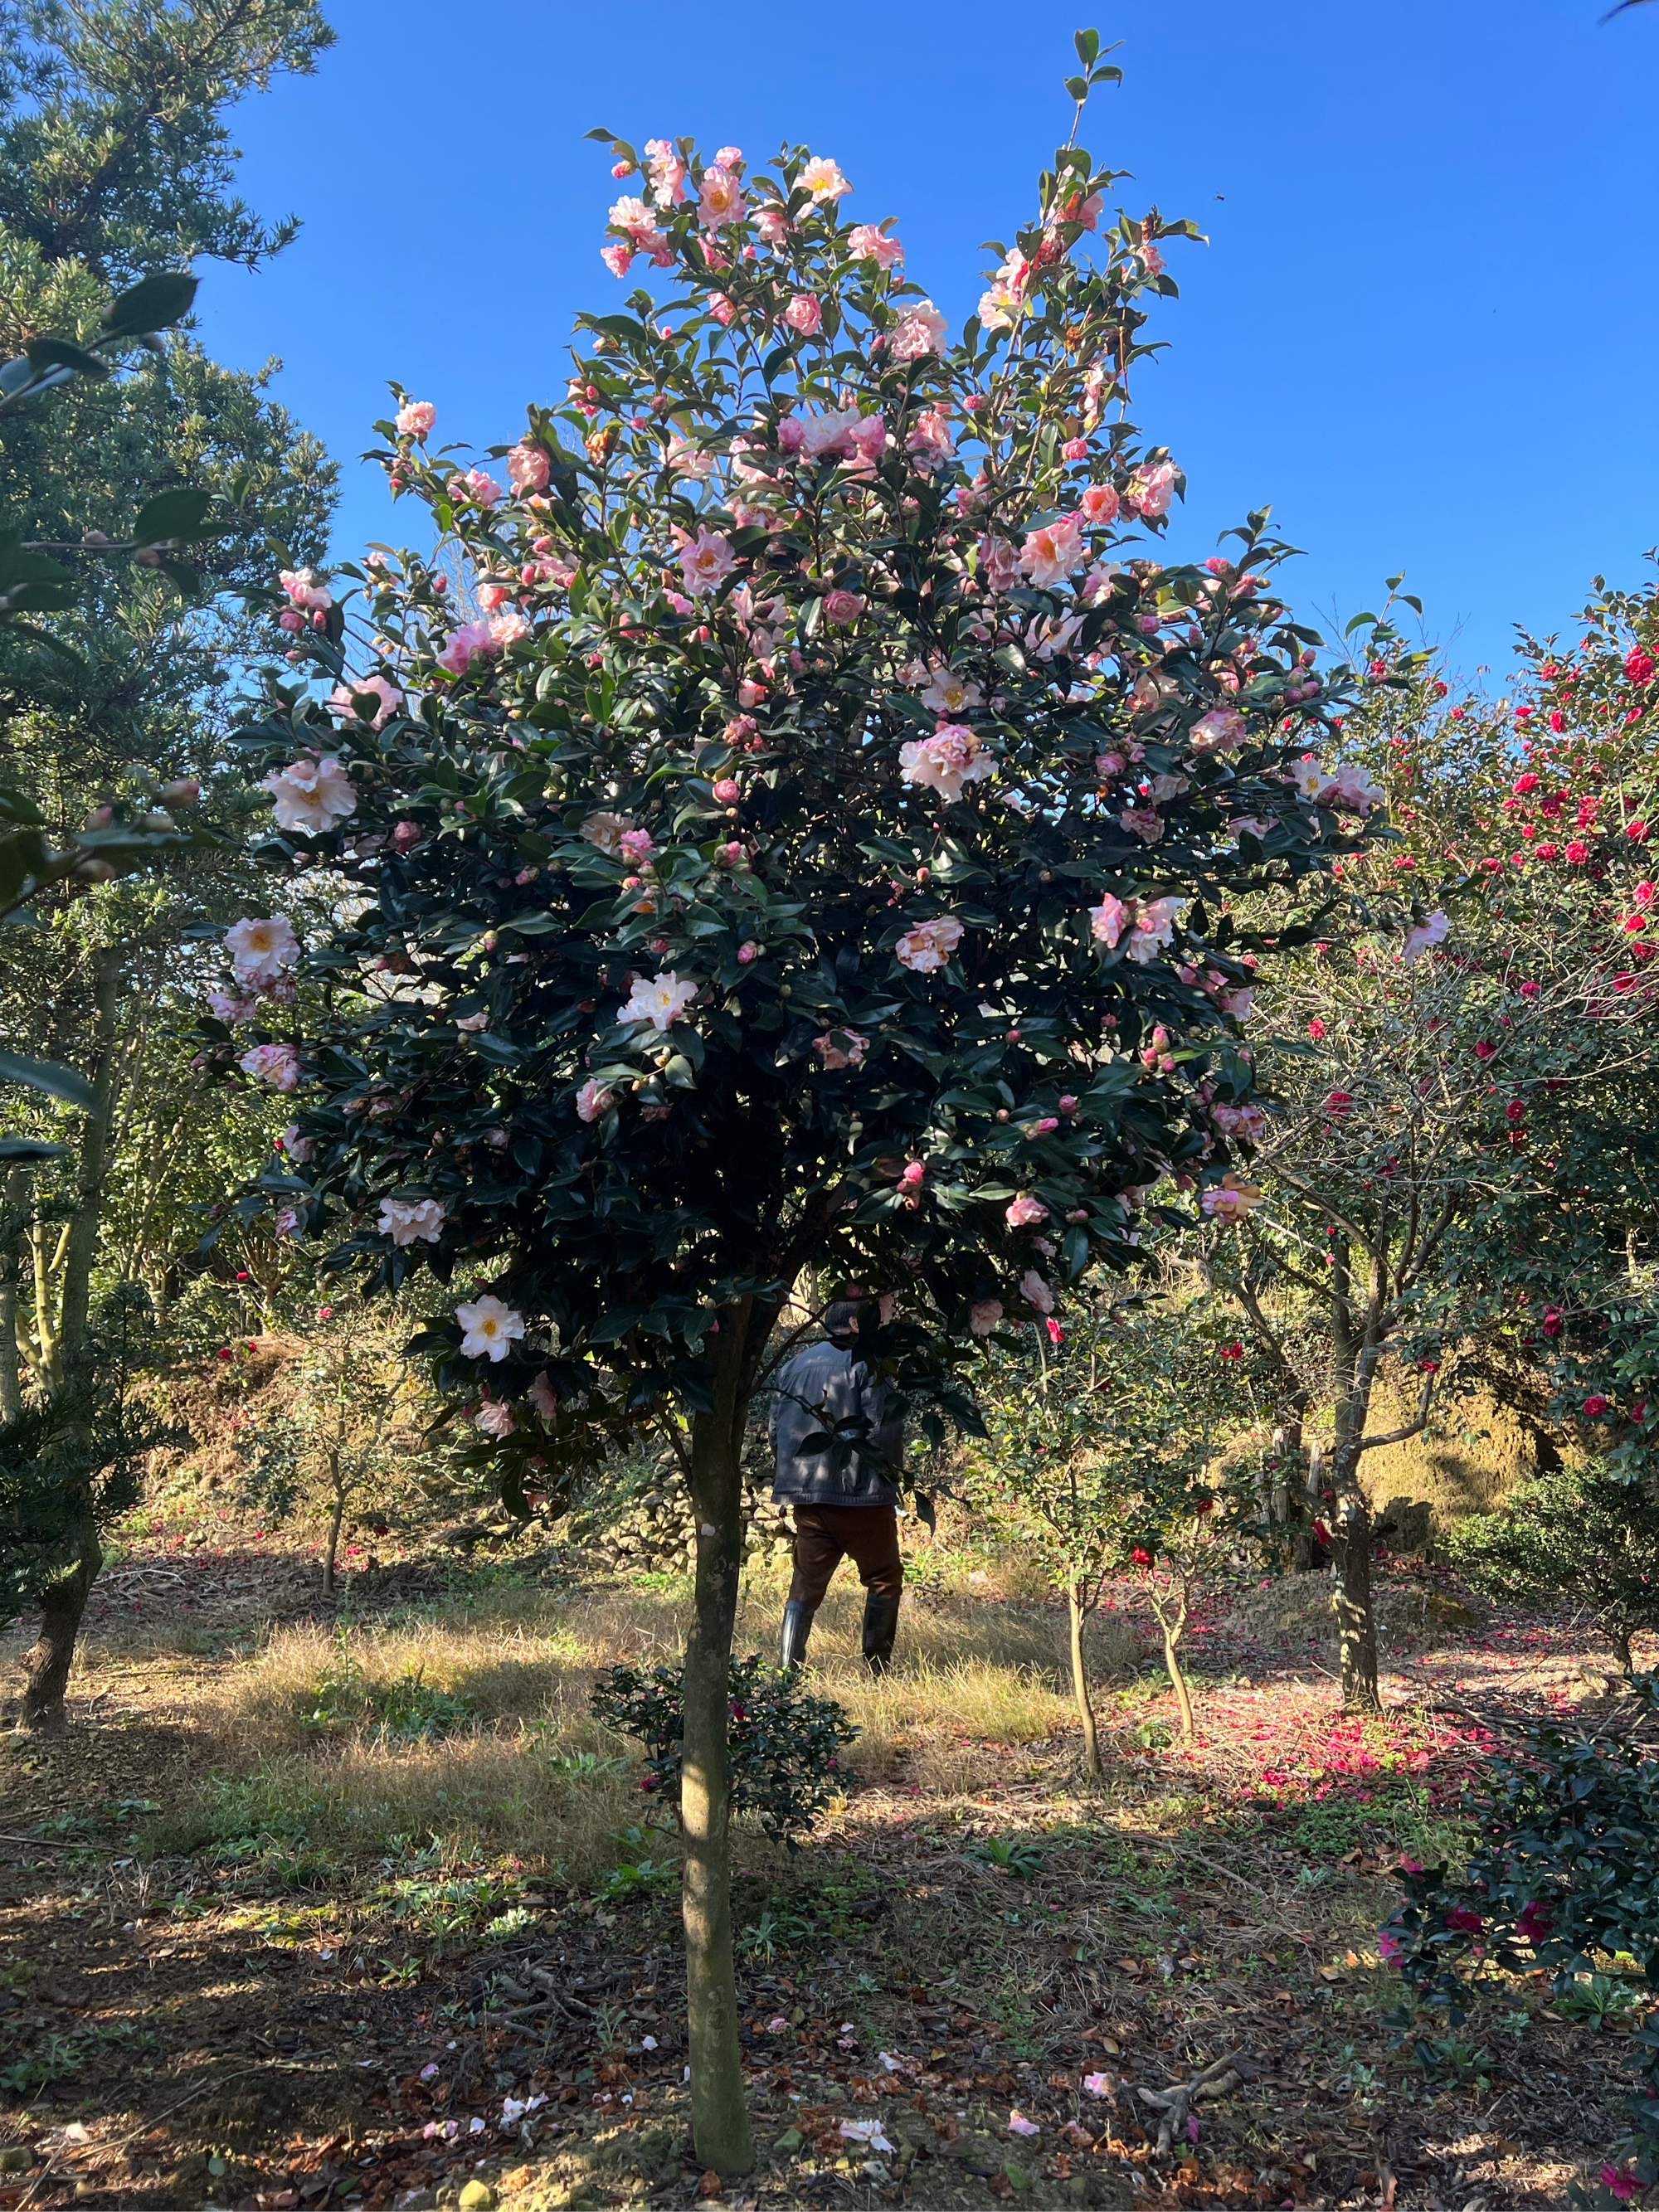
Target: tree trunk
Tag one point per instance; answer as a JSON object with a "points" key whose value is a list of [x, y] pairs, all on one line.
{"points": [[1178, 1681], [1085, 1711], [332, 1551], [720, 2118], [1355, 1616], [46, 1667], [15, 1190], [82, 1247]]}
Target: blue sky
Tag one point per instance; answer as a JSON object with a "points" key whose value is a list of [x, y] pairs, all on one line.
{"points": [[1424, 329]]}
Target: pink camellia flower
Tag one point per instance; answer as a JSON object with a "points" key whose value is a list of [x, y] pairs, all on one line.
{"points": [[405, 836], [1075, 449], [287, 1221], [311, 795], [295, 1147], [725, 312], [544, 1397], [480, 488], [528, 468], [276, 1066], [636, 846], [1050, 555], [305, 589], [1035, 1293], [773, 224], [927, 945], [345, 697], [823, 180], [866, 243], [999, 304], [705, 560], [1619, 2184], [1389, 1947], [1250, 1123], [228, 1007], [1422, 935], [410, 1220], [618, 257], [747, 952], [1098, 504], [1019, 2125], [842, 608], [184, 791], [838, 1049], [593, 1099], [494, 1418], [659, 999], [508, 628], [915, 1172], [732, 856], [949, 694], [1109, 921], [1025, 1212], [1228, 1200], [920, 332], [730, 157], [416, 417], [685, 458], [488, 1327], [720, 199], [259, 950], [1153, 489], [945, 762], [665, 168], [463, 646], [728, 791], [1098, 2085], [868, 439], [1220, 729], [930, 438], [471, 1024], [1594, 1406], [984, 1314], [804, 314], [1153, 929], [1143, 822]]}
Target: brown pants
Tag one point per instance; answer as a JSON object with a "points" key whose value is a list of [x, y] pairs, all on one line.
{"points": [[826, 1534]]}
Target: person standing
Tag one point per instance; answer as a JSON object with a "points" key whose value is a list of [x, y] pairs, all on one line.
{"points": [[845, 1494]]}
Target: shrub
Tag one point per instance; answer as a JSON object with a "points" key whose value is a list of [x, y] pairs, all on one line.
{"points": [[1578, 1535], [1564, 1877], [782, 1744]]}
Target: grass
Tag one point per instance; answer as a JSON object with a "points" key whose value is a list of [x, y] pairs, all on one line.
{"points": [[471, 1725]]}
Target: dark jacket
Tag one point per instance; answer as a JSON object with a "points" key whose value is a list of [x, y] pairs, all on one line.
{"points": [[818, 1388]]}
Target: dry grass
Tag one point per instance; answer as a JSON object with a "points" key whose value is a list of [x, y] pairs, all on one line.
{"points": [[301, 1755]]}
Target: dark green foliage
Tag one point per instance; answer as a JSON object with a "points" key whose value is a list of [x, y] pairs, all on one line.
{"points": [[1579, 1536], [781, 1742], [75, 1456], [1564, 1877]]}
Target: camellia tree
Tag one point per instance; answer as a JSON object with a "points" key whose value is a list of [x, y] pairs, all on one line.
{"points": [[1100, 1437], [802, 851], [1455, 1179]]}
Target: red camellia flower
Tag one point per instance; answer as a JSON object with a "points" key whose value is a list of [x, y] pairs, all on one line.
{"points": [[1554, 1322], [1315, 1029], [1337, 1103], [1466, 1917], [1558, 720], [1577, 851], [1484, 1049], [1533, 1923], [1594, 1406], [1523, 784], [1638, 665], [1141, 1556], [1233, 1351], [224, 1351], [1515, 1111], [1638, 830], [1428, 1366]]}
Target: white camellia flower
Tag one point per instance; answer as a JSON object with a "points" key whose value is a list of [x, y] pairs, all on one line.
{"points": [[928, 945], [593, 1099], [312, 795], [259, 950], [411, 1220], [490, 1328], [952, 757], [659, 999]]}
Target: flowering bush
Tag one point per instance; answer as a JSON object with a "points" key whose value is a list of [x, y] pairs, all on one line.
{"points": [[1582, 1536], [783, 1745], [799, 633], [1564, 1877]]}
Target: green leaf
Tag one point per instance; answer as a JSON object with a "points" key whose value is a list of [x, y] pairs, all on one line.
{"points": [[177, 514], [1088, 47], [1078, 87], [154, 304], [19, 1148], [43, 354], [50, 1076]]}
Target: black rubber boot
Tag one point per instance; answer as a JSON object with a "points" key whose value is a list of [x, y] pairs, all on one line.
{"points": [[797, 1625], [881, 1614]]}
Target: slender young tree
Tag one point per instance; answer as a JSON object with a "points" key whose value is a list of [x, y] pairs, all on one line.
{"points": [[809, 859]]}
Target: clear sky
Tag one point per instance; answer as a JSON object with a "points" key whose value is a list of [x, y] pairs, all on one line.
{"points": [[1423, 329]]}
